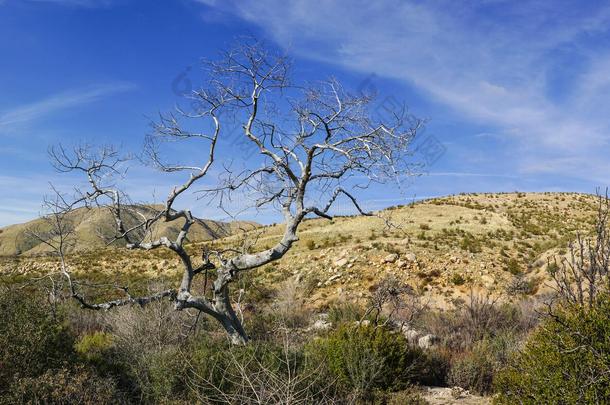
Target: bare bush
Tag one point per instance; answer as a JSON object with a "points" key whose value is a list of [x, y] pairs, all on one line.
{"points": [[151, 328], [583, 274], [289, 304], [479, 317], [397, 301], [260, 376]]}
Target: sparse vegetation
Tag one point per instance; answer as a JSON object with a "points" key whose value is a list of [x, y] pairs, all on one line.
{"points": [[126, 356]]}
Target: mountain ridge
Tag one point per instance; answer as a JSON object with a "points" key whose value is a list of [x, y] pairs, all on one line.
{"points": [[94, 226]]}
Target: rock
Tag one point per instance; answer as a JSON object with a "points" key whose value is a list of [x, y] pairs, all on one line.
{"points": [[427, 341], [341, 262], [488, 281], [410, 257], [321, 324], [411, 335], [401, 263], [459, 392], [391, 258], [334, 277]]}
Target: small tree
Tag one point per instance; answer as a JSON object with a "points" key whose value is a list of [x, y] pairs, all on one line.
{"points": [[313, 144]]}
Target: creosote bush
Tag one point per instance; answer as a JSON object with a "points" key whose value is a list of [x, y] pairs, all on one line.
{"points": [[77, 385], [32, 340], [567, 360], [366, 359]]}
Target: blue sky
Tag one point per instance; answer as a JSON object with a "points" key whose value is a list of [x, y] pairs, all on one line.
{"points": [[516, 92]]}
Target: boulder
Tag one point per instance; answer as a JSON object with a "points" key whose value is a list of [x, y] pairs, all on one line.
{"points": [[427, 341], [321, 324], [410, 257], [391, 258], [411, 335], [488, 281]]}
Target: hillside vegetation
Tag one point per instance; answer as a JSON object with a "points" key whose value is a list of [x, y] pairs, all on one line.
{"points": [[458, 284], [442, 248]]}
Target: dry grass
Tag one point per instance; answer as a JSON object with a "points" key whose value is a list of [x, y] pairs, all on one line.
{"points": [[480, 240]]}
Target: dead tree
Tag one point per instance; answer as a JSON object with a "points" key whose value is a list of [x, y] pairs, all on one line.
{"points": [[313, 145], [583, 274], [400, 302]]}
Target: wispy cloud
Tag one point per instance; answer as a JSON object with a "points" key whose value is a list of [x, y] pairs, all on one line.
{"points": [[466, 174], [76, 3], [536, 71], [58, 102]]}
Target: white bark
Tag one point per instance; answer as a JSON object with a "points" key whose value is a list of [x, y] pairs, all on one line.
{"points": [[306, 151]]}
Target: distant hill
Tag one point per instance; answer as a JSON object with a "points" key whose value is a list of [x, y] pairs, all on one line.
{"points": [[93, 227]]}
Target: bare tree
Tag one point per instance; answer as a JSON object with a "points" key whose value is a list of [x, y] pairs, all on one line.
{"points": [[583, 274], [401, 303], [313, 144]]}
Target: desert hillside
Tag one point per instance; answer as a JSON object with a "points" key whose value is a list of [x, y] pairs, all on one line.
{"points": [[442, 247], [94, 226]]}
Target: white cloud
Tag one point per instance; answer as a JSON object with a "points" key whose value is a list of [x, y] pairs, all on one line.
{"points": [[58, 102], [495, 62]]}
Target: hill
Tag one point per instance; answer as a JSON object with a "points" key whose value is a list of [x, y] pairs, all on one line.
{"points": [[92, 227], [442, 247]]}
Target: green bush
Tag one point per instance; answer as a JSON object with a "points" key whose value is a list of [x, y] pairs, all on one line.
{"points": [[344, 312], [513, 266], [364, 359], [261, 372], [458, 279], [94, 347], [32, 339], [565, 361], [162, 376], [64, 386]]}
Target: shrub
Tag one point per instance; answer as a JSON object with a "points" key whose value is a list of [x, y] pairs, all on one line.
{"points": [[513, 267], [95, 346], [344, 312], [64, 386], [473, 320], [364, 359], [565, 361], [474, 370], [32, 340], [470, 244], [261, 372], [162, 375], [311, 244], [458, 279]]}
